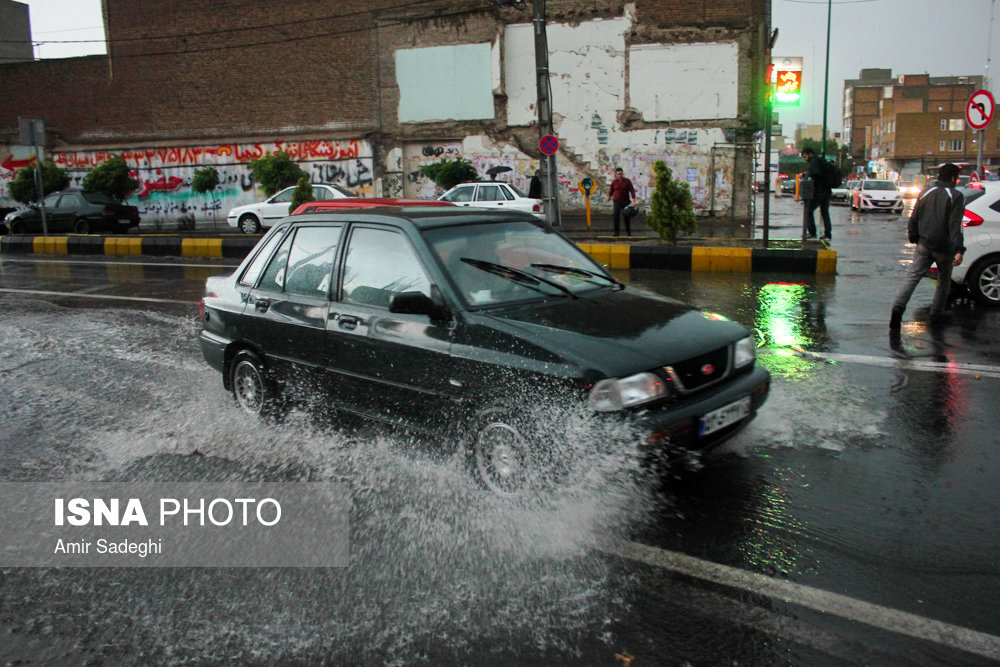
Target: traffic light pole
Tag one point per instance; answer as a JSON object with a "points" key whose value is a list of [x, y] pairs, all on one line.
{"points": [[550, 186]]}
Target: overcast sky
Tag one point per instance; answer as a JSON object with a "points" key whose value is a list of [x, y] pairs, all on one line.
{"points": [[939, 37]]}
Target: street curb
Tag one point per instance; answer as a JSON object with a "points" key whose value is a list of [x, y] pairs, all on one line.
{"points": [[612, 255]]}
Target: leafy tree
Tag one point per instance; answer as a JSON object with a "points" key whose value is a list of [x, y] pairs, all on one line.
{"points": [[276, 172], [303, 193], [22, 188], [112, 178], [671, 208], [205, 180], [446, 174]]}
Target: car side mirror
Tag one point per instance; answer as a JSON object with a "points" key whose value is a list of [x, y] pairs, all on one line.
{"points": [[418, 303]]}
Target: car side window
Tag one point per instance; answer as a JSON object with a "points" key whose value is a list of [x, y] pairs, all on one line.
{"points": [[381, 263], [310, 262], [461, 194], [274, 275], [257, 265], [51, 200], [283, 196], [320, 193], [489, 193], [508, 195], [69, 201]]}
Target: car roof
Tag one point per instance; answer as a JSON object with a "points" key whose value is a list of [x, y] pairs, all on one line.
{"points": [[421, 217], [360, 202]]}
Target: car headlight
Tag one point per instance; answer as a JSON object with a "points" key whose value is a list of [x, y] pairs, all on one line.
{"points": [[744, 352], [619, 393]]}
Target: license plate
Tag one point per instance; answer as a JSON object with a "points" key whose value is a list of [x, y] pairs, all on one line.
{"points": [[724, 416]]}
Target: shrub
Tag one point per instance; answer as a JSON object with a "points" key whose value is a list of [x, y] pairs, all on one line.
{"points": [[671, 209], [303, 193], [276, 172], [22, 188], [446, 174], [112, 178]]}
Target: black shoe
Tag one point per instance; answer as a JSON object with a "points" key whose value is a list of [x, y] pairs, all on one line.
{"points": [[896, 319], [824, 238], [810, 236]]}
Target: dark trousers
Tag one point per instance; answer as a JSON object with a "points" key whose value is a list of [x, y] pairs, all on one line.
{"points": [[820, 199], [617, 213]]}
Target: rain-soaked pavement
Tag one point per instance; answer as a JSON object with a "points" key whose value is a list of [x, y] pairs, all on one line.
{"points": [[853, 522]]}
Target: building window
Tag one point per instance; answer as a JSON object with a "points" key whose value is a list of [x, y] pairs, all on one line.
{"points": [[941, 147], [955, 145], [956, 124], [944, 125]]}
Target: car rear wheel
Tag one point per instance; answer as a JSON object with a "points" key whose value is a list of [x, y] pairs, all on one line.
{"points": [[984, 281], [249, 224], [81, 226], [255, 393]]}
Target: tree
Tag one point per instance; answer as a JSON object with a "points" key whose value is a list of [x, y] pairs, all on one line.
{"points": [[22, 188], [671, 208], [205, 181], [303, 193], [112, 178], [446, 174], [276, 172]]}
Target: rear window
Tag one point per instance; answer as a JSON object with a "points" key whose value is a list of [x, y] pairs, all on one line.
{"points": [[99, 198], [972, 194]]}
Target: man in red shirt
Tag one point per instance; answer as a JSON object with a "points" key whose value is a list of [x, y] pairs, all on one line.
{"points": [[621, 194]]}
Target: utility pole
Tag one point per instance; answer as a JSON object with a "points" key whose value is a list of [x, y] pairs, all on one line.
{"points": [[32, 131], [550, 187]]}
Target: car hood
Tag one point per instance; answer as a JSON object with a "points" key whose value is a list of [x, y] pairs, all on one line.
{"points": [[613, 333], [882, 195]]}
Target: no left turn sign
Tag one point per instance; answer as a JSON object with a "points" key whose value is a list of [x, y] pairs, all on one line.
{"points": [[979, 111]]}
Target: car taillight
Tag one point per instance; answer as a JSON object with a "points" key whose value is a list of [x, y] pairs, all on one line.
{"points": [[201, 309], [108, 212], [970, 219], [536, 207]]}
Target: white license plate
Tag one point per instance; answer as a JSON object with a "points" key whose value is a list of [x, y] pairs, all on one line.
{"points": [[724, 416]]}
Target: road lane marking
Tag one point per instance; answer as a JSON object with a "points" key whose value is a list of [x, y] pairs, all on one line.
{"points": [[877, 616], [953, 367], [78, 295]]}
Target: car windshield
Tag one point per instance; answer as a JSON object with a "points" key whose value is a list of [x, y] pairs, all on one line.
{"points": [[880, 185], [516, 190], [500, 263], [343, 191]]}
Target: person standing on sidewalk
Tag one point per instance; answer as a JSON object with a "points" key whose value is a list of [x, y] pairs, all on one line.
{"points": [[936, 227], [820, 195], [622, 194]]}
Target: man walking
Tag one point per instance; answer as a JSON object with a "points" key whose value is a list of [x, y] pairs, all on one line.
{"points": [[820, 195], [936, 227], [622, 194]]}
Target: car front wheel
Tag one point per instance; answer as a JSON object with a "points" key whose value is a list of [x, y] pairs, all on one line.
{"points": [[81, 226], [255, 393], [249, 224], [499, 452], [984, 281]]}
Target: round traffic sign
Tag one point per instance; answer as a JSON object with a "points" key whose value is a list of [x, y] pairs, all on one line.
{"points": [[979, 110], [548, 144]]}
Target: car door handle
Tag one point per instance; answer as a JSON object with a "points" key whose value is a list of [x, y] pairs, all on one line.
{"points": [[262, 305], [349, 322]]}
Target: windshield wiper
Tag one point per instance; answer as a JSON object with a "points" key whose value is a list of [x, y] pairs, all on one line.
{"points": [[516, 275], [583, 273]]}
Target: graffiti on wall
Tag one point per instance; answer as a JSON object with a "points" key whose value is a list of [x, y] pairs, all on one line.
{"points": [[165, 174]]}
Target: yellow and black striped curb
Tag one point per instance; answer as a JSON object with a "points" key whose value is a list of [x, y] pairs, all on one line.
{"points": [[612, 255]]}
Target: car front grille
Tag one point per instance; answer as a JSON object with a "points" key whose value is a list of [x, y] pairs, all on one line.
{"points": [[699, 372]]}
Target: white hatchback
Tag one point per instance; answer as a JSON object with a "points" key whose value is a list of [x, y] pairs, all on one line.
{"points": [[493, 194], [253, 218], [979, 271], [877, 195]]}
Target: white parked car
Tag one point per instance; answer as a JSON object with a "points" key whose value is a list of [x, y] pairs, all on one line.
{"points": [[253, 218], [493, 194], [872, 194], [979, 271]]}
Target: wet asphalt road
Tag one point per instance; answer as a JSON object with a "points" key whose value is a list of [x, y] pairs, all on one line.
{"points": [[868, 480]]}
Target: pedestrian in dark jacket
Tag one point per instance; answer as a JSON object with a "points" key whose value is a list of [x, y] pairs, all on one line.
{"points": [[820, 195], [621, 194], [936, 227], [535, 186]]}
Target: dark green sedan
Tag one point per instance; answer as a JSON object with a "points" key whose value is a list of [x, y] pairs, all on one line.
{"points": [[74, 211], [463, 323]]}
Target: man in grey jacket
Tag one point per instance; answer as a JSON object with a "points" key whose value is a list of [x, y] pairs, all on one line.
{"points": [[937, 223]]}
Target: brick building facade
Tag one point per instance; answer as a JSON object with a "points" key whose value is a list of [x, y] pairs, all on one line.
{"points": [[363, 93]]}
